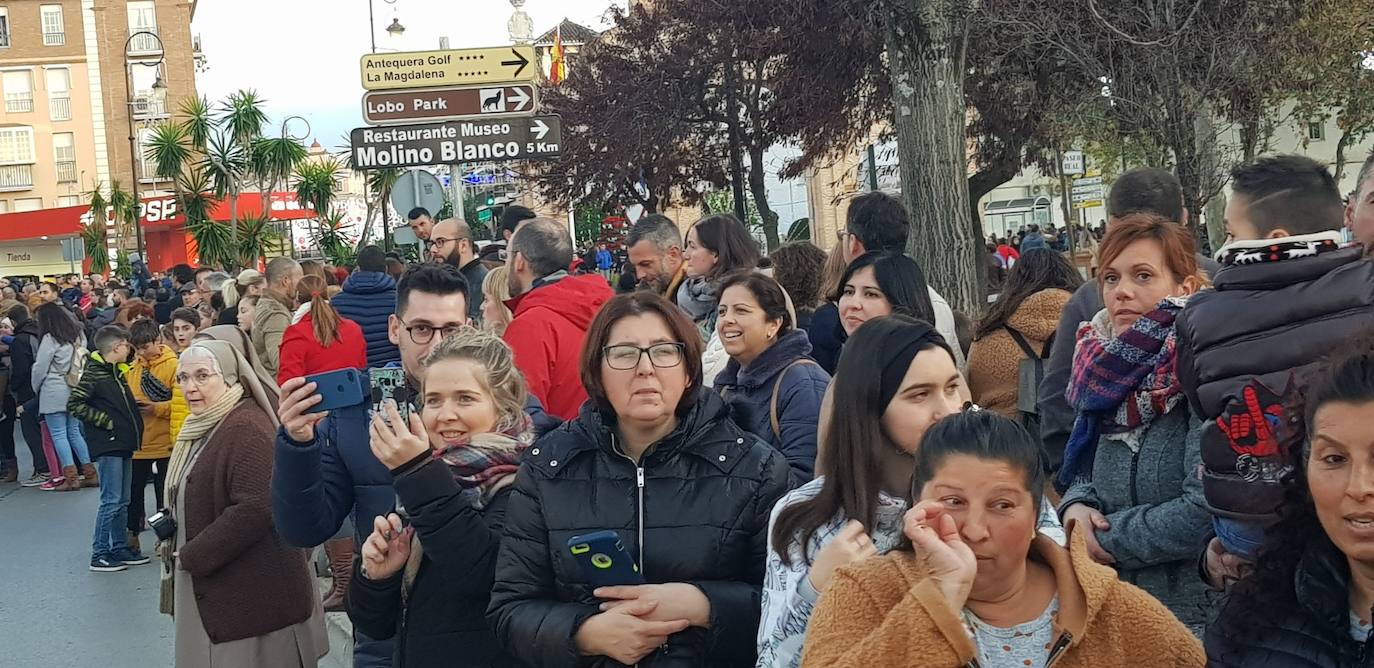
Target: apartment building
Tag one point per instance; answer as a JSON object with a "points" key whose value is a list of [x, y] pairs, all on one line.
{"points": [[64, 73]]}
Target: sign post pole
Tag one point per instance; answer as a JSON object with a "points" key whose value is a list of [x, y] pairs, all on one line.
{"points": [[455, 187]]}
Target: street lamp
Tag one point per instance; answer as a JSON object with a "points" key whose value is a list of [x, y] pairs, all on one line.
{"points": [[156, 100], [395, 29]]}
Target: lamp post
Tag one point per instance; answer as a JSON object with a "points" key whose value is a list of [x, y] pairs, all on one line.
{"points": [[159, 95], [285, 129], [395, 29]]}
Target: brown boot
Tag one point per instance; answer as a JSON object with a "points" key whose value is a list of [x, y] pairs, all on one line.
{"points": [[11, 470], [70, 483], [133, 543], [92, 479], [340, 553]]}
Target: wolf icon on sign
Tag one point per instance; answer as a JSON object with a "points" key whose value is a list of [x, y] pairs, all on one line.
{"points": [[493, 99]]}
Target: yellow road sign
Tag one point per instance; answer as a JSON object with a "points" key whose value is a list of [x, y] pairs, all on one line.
{"points": [[427, 69]]}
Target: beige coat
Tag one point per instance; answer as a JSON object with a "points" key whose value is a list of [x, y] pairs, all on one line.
{"points": [[993, 360]]}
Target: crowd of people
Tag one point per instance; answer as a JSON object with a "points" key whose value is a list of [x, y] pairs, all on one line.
{"points": [[808, 459]]}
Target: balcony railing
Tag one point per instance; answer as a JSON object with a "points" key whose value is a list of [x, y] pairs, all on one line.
{"points": [[16, 177], [144, 43], [60, 108], [54, 38], [146, 106], [66, 171], [18, 103]]}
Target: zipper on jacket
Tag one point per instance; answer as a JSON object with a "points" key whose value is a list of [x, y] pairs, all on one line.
{"points": [[639, 492], [1135, 469], [1058, 649]]}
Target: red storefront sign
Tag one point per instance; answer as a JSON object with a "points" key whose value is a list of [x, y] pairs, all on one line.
{"points": [[155, 213]]}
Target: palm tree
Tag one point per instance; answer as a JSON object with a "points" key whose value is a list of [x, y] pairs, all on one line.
{"points": [[93, 233], [240, 122]]}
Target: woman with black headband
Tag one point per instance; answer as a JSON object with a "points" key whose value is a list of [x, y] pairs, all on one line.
{"points": [[896, 378]]}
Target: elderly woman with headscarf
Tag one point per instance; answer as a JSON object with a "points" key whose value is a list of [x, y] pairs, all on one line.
{"points": [[240, 596]]}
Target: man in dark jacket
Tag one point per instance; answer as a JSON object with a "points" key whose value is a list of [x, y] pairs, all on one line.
{"points": [[451, 243], [1287, 294], [1154, 191], [369, 298], [181, 274], [23, 351], [114, 430]]}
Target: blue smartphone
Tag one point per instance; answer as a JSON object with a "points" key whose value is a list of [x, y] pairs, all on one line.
{"points": [[604, 561], [338, 389]]}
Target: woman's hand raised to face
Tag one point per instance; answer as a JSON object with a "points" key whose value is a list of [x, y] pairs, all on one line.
{"points": [[936, 536], [394, 441]]}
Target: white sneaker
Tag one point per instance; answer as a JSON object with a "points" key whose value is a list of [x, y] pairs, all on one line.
{"points": [[33, 480]]}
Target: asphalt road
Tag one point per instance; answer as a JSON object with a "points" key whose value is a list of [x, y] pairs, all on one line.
{"points": [[55, 612]]}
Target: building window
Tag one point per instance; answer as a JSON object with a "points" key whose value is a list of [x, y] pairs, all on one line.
{"points": [[4, 206], [69, 200], [1316, 130], [143, 18], [54, 33], [64, 153], [18, 91], [28, 204], [59, 93], [145, 103], [4, 26]]}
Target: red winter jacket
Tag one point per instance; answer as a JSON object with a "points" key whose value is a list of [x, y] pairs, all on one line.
{"points": [[549, 325], [302, 355]]}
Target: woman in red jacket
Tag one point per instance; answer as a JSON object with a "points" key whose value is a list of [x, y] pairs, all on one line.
{"points": [[319, 340]]}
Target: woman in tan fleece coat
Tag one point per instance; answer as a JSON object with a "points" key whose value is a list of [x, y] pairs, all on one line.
{"points": [[1036, 291], [982, 587]]}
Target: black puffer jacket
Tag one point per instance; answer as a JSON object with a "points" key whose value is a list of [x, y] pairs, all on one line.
{"points": [[706, 493], [1264, 321], [443, 620], [1306, 627]]}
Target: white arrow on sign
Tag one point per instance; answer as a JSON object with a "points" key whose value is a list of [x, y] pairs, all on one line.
{"points": [[519, 98], [539, 127]]}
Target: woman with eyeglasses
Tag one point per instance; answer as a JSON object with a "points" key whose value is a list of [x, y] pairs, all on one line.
{"points": [[657, 461], [240, 596]]}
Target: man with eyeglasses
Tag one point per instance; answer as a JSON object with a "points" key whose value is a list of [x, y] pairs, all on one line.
{"points": [[450, 242], [551, 313], [324, 468]]}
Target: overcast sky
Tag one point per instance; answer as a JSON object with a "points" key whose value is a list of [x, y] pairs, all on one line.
{"points": [[302, 55]]}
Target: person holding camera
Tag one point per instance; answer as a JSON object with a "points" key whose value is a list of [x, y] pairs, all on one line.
{"points": [[427, 583], [240, 596]]}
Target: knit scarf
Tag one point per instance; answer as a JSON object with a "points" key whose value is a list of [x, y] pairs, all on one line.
{"points": [[484, 464], [1263, 251], [193, 435], [697, 297], [1120, 384], [488, 462]]}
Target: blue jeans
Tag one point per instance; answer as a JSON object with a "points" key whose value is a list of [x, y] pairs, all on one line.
{"points": [[67, 439], [116, 473]]}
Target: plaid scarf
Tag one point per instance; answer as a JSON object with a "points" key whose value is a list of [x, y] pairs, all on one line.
{"points": [[488, 462], [1120, 384]]}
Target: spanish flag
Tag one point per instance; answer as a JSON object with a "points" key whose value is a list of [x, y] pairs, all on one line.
{"points": [[558, 69]]}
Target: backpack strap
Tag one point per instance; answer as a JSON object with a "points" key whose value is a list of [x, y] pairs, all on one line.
{"points": [[777, 387], [1021, 342]]}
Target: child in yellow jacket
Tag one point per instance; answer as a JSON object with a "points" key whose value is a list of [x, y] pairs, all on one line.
{"points": [[152, 378]]}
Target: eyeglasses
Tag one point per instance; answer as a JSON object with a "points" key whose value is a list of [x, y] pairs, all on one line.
{"points": [[422, 334], [200, 378], [444, 241], [625, 356]]}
